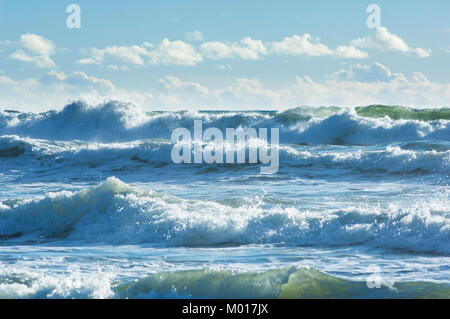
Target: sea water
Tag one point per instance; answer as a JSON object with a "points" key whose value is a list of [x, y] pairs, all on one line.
{"points": [[92, 206]]}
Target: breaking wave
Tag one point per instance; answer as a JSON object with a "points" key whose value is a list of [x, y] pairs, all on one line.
{"points": [[115, 121], [402, 158], [114, 212]]}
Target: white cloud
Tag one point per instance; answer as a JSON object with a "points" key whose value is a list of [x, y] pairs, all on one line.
{"points": [[37, 44], [374, 72], [185, 54], [130, 55], [39, 61], [174, 53], [89, 61], [36, 50], [356, 85], [247, 49], [350, 52], [85, 81], [195, 36], [420, 78], [216, 50], [166, 53], [422, 53], [300, 45], [384, 40], [55, 89], [76, 82], [172, 83], [54, 76]]}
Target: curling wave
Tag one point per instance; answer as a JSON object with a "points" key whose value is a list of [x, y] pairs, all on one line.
{"points": [[115, 121], [114, 212]]}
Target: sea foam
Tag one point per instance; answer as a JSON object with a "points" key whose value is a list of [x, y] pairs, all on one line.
{"points": [[114, 212], [116, 121]]}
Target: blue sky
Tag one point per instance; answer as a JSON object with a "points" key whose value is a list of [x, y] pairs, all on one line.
{"points": [[224, 54]]}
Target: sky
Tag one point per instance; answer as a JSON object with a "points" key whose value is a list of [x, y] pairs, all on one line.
{"points": [[171, 55]]}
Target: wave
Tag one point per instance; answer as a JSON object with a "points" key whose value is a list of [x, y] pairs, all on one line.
{"points": [[113, 121], [371, 111], [116, 121], [349, 129], [402, 158], [280, 283], [80, 153], [283, 283], [401, 112], [391, 160], [114, 212]]}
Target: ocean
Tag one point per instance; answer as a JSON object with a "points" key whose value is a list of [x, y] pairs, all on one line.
{"points": [[92, 206]]}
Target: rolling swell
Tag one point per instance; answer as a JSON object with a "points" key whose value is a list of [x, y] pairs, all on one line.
{"points": [[116, 213], [280, 283], [404, 113]]}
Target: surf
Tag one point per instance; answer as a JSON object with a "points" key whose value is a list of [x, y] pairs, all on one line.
{"points": [[117, 213]]}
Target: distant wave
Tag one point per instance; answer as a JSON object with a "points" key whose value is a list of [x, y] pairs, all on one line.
{"points": [[116, 121], [114, 212], [400, 112], [371, 111]]}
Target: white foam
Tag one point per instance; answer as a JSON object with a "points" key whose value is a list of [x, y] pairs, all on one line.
{"points": [[116, 121], [113, 212]]}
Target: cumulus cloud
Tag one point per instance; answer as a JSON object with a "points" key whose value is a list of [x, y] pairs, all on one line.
{"points": [[392, 89], [181, 53], [36, 50], [53, 76], [37, 44], [385, 40], [174, 84], [166, 53], [75, 83], [247, 49], [174, 53], [39, 61], [54, 88], [355, 85], [300, 45], [125, 54], [374, 72], [350, 52], [85, 81]]}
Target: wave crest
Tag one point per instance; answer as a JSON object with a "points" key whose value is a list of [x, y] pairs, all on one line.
{"points": [[114, 212], [117, 121]]}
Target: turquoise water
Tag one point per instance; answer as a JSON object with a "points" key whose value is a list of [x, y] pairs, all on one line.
{"points": [[91, 206]]}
